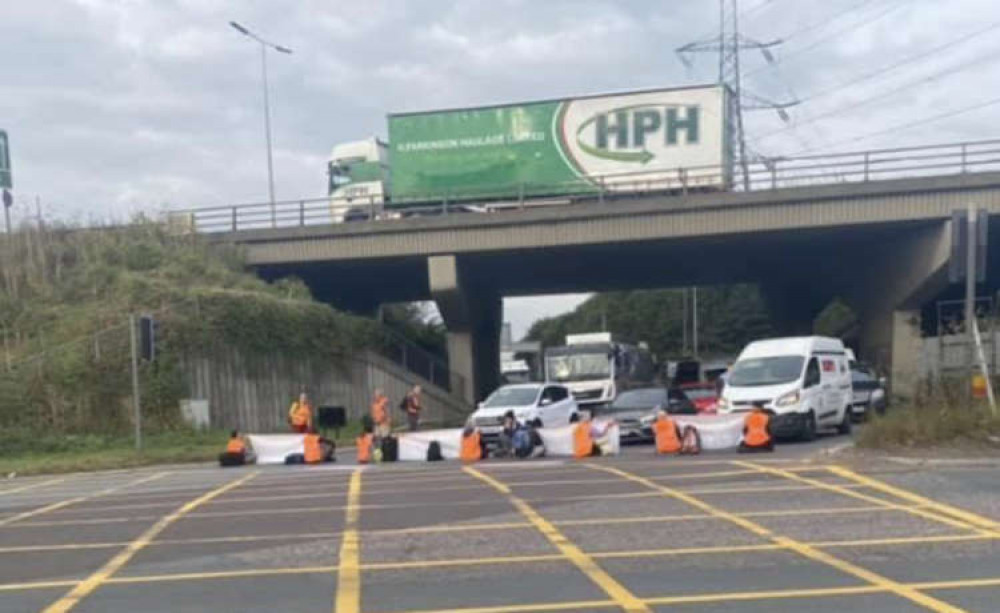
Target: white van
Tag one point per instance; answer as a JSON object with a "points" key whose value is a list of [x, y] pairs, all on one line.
{"points": [[804, 382]]}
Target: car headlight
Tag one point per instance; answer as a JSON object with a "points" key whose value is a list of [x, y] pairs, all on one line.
{"points": [[722, 404], [525, 414], [788, 399], [647, 420]]}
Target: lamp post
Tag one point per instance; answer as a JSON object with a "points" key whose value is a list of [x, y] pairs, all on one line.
{"points": [[264, 46]]}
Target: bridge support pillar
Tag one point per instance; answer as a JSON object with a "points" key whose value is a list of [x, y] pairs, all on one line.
{"points": [[473, 315], [895, 279]]}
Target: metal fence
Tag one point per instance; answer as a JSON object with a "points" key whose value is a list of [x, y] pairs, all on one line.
{"points": [[765, 174]]}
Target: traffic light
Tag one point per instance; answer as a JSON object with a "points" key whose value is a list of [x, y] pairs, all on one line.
{"points": [[147, 337]]}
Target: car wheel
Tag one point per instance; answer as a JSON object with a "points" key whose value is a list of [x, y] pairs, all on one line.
{"points": [[809, 427], [575, 417], [845, 423]]}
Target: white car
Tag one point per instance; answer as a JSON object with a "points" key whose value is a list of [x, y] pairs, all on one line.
{"points": [[540, 404]]}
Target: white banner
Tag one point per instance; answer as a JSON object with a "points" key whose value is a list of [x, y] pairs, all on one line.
{"points": [[274, 448], [558, 443], [716, 431]]}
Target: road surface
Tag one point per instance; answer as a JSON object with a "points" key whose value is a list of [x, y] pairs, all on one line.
{"points": [[792, 531]]}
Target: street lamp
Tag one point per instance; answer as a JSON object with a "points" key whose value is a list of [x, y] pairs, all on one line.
{"points": [[264, 45]]}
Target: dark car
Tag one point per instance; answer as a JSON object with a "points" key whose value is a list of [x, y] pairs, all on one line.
{"points": [[868, 391], [631, 406]]}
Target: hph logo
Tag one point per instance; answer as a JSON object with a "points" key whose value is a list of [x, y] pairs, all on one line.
{"points": [[632, 134]]}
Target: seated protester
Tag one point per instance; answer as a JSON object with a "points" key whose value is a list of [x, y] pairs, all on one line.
{"points": [[366, 442], [589, 437], [666, 434], [522, 443], [537, 444], [757, 431], [472, 445], [316, 448], [236, 451], [510, 427]]}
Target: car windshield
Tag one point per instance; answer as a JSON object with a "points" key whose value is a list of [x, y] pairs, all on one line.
{"points": [[766, 371], [639, 399], [579, 367], [512, 397], [699, 393]]}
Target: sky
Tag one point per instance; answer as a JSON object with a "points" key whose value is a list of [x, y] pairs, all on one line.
{"points": [[120, 107]]}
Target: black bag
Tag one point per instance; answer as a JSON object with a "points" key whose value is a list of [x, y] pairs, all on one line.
{"points": [[403, 404], [434, 452], [295, 458], [232, 459], [390, 449]]}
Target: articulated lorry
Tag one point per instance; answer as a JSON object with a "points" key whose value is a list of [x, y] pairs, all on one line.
{"points": [[596, 367], [556, 150]]}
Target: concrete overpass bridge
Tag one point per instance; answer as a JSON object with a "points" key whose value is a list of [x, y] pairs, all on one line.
{"points": [[872, 228]]}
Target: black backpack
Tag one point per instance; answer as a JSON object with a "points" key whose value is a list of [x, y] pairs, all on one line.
{"points": [[390, 449], [295, 458], [434, 452]]}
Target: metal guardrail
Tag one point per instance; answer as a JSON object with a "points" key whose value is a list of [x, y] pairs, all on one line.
{"points": [[767, 174]]}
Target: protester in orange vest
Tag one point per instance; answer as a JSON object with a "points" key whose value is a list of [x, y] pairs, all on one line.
{"points": [[380, 414], [584, 438], [365, 444], [317, 449], [472, 445], [667, 434], [300, 415], [757, 431], [236, 451]]}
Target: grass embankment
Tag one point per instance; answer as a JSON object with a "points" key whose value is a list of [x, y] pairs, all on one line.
{"points": [[933, 424], [81, 453]]}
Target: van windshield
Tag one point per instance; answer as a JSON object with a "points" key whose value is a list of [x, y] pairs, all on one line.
{"points": [[766, 371]]}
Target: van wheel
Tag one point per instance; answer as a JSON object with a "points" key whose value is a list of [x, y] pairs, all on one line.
{"points": [[809, 428], [575, 417], [845, 424]]}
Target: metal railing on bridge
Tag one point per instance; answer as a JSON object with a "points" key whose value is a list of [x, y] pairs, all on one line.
{"points": [[765, 174]]}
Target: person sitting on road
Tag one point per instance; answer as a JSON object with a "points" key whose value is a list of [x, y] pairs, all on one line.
{"points": [[300, 415], [537, 444], [366, 442], [757, 431], [666, 434], [317, 449], [236, 451], [589, 437], [510, 427], [472, 445]]}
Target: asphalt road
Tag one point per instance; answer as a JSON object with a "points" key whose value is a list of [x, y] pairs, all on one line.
{"points": [[792, 531]]}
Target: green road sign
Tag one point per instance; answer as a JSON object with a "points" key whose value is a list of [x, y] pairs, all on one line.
{"points": [[6, 179]]}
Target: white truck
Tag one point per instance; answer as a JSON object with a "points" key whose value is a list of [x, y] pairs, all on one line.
{"points": [[804, 382], [595, 367]]}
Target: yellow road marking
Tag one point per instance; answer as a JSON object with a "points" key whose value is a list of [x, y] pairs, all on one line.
{"points": [[31, 486], [618, 592], [223, 574], [65, 503], [412, 564], [349, 574], [91, 583], [940, 507], [520, 608], [918, 511], [801, 548]]}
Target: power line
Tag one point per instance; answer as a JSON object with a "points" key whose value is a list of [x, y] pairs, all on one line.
{"points": [[743, 15], [911, 124], [825, 21], [901, 63], [854, 26], [946, 72]]}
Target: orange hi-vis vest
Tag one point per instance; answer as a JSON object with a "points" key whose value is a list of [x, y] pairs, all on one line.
{"points": [[665, 431], [380, 409], [300, 414], [755, 429], [313, 450], [472, 450], [365, 442], [235, 445], [583, 441]]}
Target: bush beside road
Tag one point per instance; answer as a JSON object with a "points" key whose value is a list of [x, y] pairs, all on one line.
{"points": [[933, 423]]}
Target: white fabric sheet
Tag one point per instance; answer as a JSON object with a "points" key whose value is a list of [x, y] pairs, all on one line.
{"points": [[716, 431], [273, 448], [413, 445]]}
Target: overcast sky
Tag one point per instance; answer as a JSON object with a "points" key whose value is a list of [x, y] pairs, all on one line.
{"points": [[115, 107]]}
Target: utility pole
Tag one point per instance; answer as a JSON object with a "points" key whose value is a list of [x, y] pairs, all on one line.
{"points": [[684, 320], [728, 44], [136, 405], [694, 320]]}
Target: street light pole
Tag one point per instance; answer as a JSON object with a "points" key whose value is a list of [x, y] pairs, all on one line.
{"points": [[264, 46]]}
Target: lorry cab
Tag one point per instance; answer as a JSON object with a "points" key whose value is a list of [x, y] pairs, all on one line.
{"points": [[358, 174], [804, 382]]}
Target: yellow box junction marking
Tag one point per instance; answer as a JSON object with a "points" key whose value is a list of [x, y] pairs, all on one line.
{"points": [[91, 583], [801, 548], [618, 592], [961, 514], [919, 511], [349, 572], [65, 503]]}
